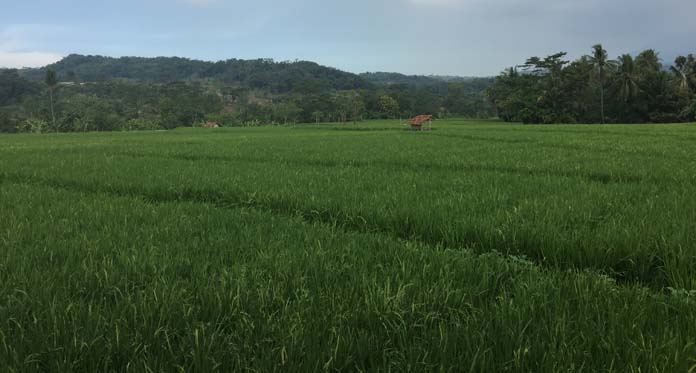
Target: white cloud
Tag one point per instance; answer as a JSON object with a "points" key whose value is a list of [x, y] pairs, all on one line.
{"points": [[199, 2], [447, 3], [438, 2], [27, 59], [16, 50]]}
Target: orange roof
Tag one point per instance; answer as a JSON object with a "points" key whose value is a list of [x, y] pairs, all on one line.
{"points": [[420, 120]]}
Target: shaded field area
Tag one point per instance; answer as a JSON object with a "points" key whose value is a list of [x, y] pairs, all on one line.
{"points": [[479, 246]]}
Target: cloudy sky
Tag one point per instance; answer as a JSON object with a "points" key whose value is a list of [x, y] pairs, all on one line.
{"points": [[457, 37]]}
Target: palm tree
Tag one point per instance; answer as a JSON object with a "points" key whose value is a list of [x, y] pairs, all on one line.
{"points": [[649, 60], [601, 62], [681, 69], [52, 83], [626, 80]]}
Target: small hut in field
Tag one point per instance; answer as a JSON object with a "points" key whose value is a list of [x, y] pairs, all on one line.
{"points": [[421, 123], [211, 125]]}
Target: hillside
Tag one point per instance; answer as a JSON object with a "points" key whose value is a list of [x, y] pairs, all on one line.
{"points": [[264, 74], [277, 77]]}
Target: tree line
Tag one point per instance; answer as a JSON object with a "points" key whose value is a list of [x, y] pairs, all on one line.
{"points": [[597, 89], [92, 93]]}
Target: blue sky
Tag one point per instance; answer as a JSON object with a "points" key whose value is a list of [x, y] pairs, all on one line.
{"points": [[456, 37]]}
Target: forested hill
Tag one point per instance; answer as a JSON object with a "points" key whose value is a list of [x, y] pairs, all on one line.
{"points": [[266, 74]]}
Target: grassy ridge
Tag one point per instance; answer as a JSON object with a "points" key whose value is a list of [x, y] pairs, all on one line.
{"points": [[95, 282], [619, 199]]}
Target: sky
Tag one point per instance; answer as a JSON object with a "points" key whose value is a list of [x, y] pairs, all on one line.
{"points": [[445, 37]]}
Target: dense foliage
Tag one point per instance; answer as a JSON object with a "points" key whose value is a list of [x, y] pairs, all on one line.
{"points": [[480, 246], [101, 93], [595, 89]]}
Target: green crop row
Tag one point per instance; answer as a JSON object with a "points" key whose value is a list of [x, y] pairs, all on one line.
{"points": [[620, 200], [96, 282]]}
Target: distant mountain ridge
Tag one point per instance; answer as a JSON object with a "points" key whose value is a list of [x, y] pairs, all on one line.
{"points": [[388, 78], [265, 74], [277, 77]]}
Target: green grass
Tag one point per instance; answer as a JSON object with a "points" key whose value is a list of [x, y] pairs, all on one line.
{"points": [[479, 246]]}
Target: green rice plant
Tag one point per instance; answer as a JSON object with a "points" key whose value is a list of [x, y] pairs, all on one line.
{"points": [[614, 199], [91, 281]]}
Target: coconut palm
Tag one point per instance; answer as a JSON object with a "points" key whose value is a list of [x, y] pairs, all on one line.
{"points": [[683, 67], [649, 60], [601, 62], [626, 78], [52, 83]]}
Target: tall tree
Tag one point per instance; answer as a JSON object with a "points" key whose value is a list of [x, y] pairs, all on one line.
{"points": [[600, 60], [683, 67], [626, 79], [660, 93], [515, 96], [551, 82], [649, 60], [51, 82]]}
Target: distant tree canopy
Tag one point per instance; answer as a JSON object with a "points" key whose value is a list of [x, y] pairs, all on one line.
{"points": [[14, 89], [94, 93], [596, 89]]}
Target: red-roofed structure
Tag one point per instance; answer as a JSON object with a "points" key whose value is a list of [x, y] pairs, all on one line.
{"points": [[211, 125], [418, 122]]}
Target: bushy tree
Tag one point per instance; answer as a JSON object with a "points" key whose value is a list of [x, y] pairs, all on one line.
{"points": [[286, 112], [34, 125], [388, 107]]}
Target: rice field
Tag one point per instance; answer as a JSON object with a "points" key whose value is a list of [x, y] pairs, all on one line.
{"points": [[479, 246]]}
